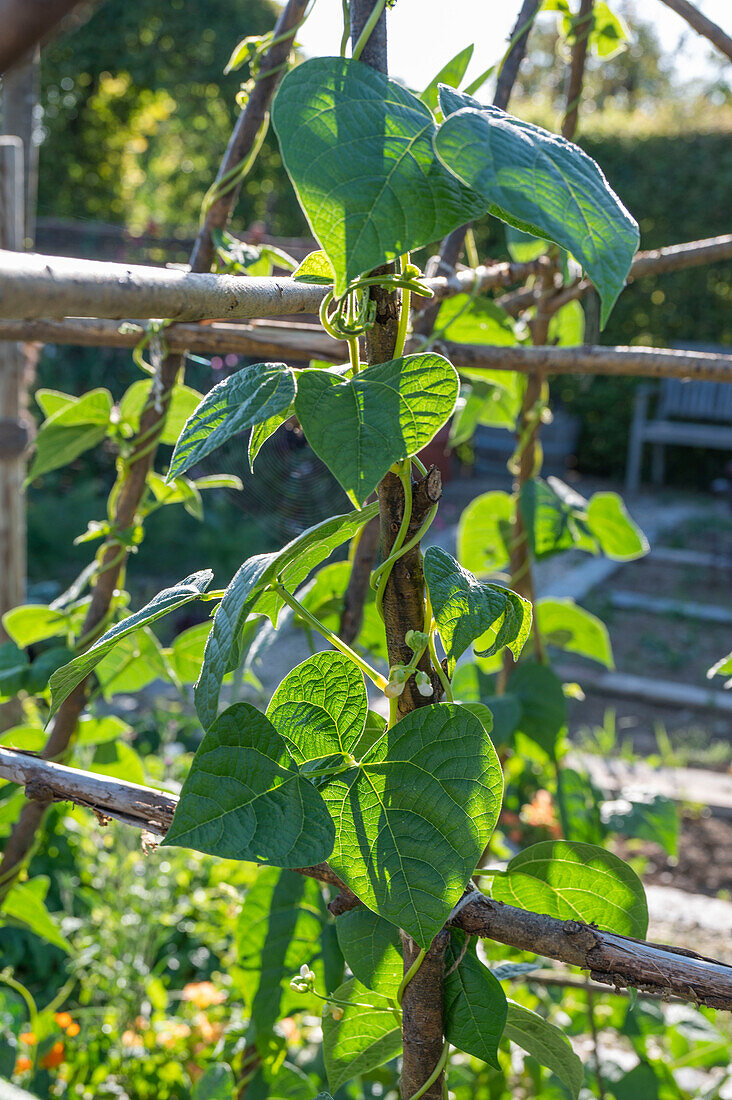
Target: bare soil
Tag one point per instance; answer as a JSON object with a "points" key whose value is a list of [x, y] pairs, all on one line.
{"points": [[704, 863]]}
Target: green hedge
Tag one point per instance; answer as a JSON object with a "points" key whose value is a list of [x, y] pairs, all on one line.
{"points": [[678, 189]]}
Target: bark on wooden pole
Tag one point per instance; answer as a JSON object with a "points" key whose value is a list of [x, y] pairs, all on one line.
{"points": [[13, 424], [40, 288], [702, 25], [34, 286], [300, 343], [422, 1022], [25, 23]]}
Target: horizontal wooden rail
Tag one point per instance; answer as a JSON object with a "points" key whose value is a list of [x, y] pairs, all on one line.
{"points": [[594, 359], [272, 340], [657, 261], [611, 959], [34, 286], [301, 342], [40, 287]]}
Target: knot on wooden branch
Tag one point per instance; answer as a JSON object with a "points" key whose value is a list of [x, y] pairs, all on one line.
{"points": [[38, 791]]}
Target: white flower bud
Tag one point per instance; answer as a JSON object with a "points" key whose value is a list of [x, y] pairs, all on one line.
{"points": [[424, 684]]}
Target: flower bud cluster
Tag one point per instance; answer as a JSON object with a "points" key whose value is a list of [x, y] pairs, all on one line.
{"points": [[303, 982]]}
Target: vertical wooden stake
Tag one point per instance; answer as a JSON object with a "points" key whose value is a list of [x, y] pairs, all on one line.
{"points": [[13, 429]]}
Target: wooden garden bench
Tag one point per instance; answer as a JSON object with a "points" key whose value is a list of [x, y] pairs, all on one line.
{"points": [[688, 414]]}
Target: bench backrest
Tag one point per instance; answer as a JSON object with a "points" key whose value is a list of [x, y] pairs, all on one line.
{"points": [[695, 400]]}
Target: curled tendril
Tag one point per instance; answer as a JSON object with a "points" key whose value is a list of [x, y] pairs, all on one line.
{"points": [[338, 324]]}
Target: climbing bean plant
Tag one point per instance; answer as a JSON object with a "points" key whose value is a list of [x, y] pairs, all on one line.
{"points": [[400, 802]]}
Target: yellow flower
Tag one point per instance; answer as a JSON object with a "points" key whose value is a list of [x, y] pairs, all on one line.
{"points": [[203, 994]]}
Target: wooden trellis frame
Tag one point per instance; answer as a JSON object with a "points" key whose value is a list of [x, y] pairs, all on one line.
{"points": [[50, 298]]}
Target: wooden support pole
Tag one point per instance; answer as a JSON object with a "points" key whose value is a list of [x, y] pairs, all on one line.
{"points": [[702, 25], [25, 23], [13, 427], [33, 286]]}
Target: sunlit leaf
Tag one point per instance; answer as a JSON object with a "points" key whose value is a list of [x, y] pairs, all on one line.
{"points": [[354, 144], [574, 881], [360, 426], [541, 184], [244, 799], [67, 678], [244, 399], [465, 609], [545, 1042], [246, 593]]}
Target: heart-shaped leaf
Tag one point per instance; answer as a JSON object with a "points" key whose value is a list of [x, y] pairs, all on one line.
{"points": [[358, 149], [566, 625], [618, 536], [545, 1042], [244, 399], [555, 518], [246, 594], [413, 817], [372, 949], [484, 533], [475, 1004], [244, 798], [362, 425], [322, 701], [66, 678], [541, 184], [183, 402], [366, 1035], [574, 881], [70, 430], [261, 432], [466, 608]]}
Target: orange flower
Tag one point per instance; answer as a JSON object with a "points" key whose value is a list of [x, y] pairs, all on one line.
{"points": [[540, 812], [130, 1038], [73, 1030], [22, 1064], [54, 1057], [63, 1019], [210, 1032], [203, 994], [28, 1038]]}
